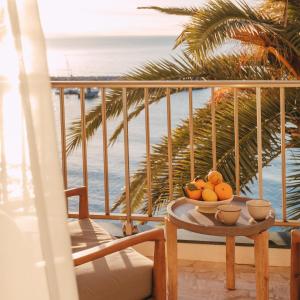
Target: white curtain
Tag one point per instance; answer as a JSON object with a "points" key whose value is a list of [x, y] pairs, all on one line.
{"points": [[35, 257]]}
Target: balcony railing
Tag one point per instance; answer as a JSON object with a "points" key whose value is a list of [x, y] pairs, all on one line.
{"points": [[168, 85]]}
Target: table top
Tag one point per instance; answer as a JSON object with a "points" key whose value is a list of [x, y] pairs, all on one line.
{"points": [[183, 213]]}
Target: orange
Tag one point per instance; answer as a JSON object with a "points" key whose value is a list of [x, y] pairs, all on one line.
{"points": [[224, 191], [199, 183], [215, 177], [193, 192], [209, 185], [209, 195]]}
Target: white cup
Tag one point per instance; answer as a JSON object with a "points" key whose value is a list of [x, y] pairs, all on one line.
{"points": [[228, 214], [259, 209]]}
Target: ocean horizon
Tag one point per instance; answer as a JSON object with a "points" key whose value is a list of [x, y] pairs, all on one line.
{"points": [[106, 55]]}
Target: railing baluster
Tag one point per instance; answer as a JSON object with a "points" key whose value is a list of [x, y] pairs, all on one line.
{"points": [[191, 129], [259, 142], [83, 136], [236, 142], [213, 129], [148, 154], [128, 227], [105, 152], [170, 150], [63, 136], [283, 156]]}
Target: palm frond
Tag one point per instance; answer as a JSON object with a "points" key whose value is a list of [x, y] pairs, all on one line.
{"points": [[217, 68], [225, 148], [293, 185], [186, 11], [293, 164], [223, 20], [180, 68], [217, 22]]}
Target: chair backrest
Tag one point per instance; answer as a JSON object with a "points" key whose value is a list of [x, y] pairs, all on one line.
{"points": [[83, 200]]}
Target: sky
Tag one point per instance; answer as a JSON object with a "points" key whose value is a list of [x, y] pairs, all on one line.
{"points": [[63, 18]]}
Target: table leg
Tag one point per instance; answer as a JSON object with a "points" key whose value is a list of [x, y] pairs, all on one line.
{"points": [[261, 248], [230, 258], [171, 238]]}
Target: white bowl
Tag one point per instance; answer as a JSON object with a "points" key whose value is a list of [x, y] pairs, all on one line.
{"points": [[209, 207]]}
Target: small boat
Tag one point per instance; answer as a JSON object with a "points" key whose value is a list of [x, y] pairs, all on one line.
{"points": [[91, 93], [69, 91]]}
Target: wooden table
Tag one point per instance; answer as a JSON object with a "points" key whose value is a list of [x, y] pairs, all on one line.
{"points": [[182, 214]]}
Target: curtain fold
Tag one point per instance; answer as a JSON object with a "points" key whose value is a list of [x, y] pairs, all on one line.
{"points": [[35, 256]]}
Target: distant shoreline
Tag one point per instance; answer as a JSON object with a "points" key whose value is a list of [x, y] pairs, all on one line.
{"points": [[83, 78]]}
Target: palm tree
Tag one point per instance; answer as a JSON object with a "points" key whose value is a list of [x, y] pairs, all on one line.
{"points": [[269, 49]]}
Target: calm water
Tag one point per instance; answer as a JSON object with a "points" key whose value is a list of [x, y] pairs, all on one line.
{"points": [[114, 56], [106, 55]]}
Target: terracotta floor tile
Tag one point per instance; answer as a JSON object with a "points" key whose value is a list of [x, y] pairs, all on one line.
{"points": [[206, 280]]}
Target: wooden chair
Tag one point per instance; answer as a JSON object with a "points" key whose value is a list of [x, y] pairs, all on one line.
{"points": [[295, 265], [97, 255]]}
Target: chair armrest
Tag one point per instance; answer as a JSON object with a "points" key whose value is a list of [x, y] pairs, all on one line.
{"points": [[96, 252], [83, 200]]}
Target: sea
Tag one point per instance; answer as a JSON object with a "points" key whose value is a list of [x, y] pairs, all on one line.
{"points": [[114, 56]]}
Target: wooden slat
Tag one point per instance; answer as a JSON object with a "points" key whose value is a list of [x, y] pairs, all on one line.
{"points": [[159, 270], [170, 150], [283, 155], [191, 131], [148, 153], [236, 141], [105, 152], [287, 223], [171, 242], [179, 83], [139, 217], [230, 260], [259, 143], [135, 217], [83, 135], [126, 156], [213, 130], [261, 251], [63, 138], [119, 216]]}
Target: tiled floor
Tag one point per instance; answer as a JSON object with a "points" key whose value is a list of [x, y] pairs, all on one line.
{"points": [[206, 280]]}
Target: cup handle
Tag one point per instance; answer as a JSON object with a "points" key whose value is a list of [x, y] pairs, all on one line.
{"points": [[217, 215]]}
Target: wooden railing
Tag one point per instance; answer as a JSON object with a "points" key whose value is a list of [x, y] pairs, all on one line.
{"points": [[167, 85]]}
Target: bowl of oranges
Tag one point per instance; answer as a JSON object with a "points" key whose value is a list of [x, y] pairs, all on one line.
{"points": [[208, 194]]}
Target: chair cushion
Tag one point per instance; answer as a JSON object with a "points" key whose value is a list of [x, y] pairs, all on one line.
{"points": [[124, 275], [86, 233]]}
